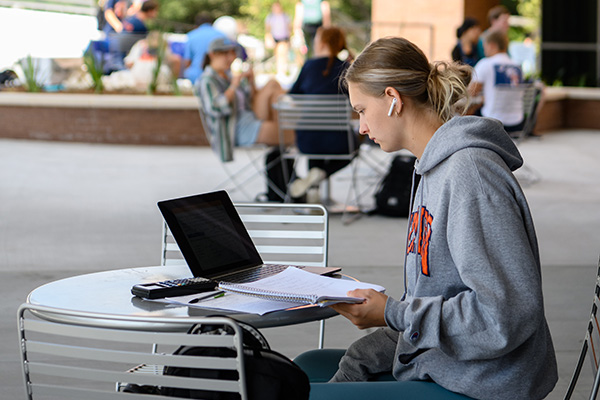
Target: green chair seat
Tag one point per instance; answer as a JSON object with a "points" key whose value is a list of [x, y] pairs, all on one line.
{"points": [[320, 365]]}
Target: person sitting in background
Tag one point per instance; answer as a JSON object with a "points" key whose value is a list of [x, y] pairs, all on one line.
{"points": [[133, 29], [237, 114], [321, 75], [466, 50], [137, 22], [196, 45], [498, 17], [498, 69], [143, 57], [115, 11], [229, 27]]}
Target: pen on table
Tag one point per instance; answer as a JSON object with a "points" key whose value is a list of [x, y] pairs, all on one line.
{"points": [[208, 296]]}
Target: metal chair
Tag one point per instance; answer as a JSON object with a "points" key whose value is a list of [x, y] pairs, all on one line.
{"points": [[253, 164], [62, 360], [282, 234], [591, 349], [320, 113], [525, 98]]}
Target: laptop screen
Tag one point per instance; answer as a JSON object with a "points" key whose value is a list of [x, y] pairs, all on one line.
{"points": [[210, 234]]}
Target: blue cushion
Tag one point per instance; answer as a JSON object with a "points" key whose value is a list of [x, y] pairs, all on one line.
{"points": [[381, 391], [321, 365]]}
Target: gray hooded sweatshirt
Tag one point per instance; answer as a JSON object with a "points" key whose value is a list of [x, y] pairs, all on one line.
{"points": [[472, 317]]}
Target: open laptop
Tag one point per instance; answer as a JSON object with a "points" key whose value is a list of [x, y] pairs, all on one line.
{"points": [[214, 241]]}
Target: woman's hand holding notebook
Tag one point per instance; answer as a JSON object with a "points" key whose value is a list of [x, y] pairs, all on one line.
{"points": [[298, 286]]}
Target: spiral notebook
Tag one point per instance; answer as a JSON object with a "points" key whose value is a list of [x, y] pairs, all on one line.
{"points": [[298, 286]]}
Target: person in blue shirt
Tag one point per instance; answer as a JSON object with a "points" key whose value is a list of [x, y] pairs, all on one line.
{"points": [[115, 11], [196, 46], [137, 22], [321, 75]]}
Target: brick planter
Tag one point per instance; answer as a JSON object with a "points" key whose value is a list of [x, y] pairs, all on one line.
{"points": [[569, 108], [127, 119], [174, 120]]}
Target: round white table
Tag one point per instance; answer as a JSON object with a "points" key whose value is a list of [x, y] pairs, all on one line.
{"points": [[109, 293]]}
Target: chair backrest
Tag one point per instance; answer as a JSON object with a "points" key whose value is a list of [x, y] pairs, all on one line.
{"points": [[508, 98], [87, 359], [591, 349], [219, 149], [522, 98], [531, 106], [308, 112], [204, 122], [282, 234]]}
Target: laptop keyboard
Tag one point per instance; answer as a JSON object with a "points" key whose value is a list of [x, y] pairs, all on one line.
{"points": [[254, 274]]}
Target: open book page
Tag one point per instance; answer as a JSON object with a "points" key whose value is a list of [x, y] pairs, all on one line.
{"points": [[296, 285]]}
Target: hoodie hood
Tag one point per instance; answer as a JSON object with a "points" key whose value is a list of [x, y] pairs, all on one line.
{"points": [[462, 132]]}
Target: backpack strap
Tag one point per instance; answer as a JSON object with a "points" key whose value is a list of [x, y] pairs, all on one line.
{"points": [[251, 337]]}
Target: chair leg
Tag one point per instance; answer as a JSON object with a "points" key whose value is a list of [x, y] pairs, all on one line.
{"points": [[321, 334], [242, 176], [350, 214]]}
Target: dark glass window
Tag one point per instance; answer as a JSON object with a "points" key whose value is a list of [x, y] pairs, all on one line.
{"points": [[568, 21], [570, 29], [571, 68]]}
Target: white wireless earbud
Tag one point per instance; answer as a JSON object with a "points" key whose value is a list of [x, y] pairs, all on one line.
{"points": [[394, 101]]}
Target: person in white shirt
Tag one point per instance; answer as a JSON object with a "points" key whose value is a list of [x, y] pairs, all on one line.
{"points": [[498, 69]]}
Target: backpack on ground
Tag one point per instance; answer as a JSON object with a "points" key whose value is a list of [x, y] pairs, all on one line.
{"points": [[269, 374], [392, 196]]}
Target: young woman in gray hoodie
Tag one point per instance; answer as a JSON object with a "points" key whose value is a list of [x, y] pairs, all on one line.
{"points": [[472, 315]]}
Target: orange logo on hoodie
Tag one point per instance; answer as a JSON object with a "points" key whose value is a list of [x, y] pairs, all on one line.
{"points": [[422, 247]]}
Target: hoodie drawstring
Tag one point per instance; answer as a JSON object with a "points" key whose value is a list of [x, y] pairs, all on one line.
{"points": [[412, 191]]}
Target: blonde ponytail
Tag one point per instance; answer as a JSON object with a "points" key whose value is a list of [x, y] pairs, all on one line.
{"points": [[446, 85]]}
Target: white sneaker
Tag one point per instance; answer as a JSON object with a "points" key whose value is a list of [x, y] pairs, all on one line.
{"points": [[299, 187]]}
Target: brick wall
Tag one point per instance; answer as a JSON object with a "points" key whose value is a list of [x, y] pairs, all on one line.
{"points": [[93, 118], [132, 126]]}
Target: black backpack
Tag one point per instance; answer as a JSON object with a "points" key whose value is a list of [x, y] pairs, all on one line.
{"points": [[269, 374], [392, 196]]}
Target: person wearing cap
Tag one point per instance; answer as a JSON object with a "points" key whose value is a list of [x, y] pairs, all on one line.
{"points": [[236, 113], [466, 50]]}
